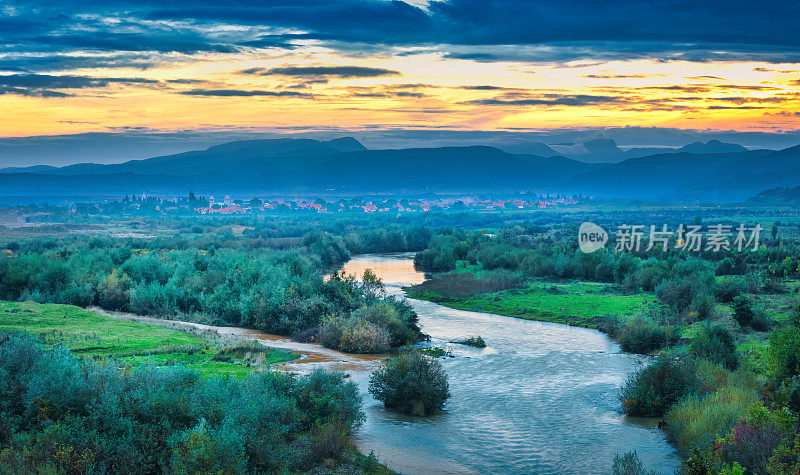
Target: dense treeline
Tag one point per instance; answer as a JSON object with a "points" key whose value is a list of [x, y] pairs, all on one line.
{"points": [[683, 280], [727, 391], [725, 418], [60, 414], [225, 281]]}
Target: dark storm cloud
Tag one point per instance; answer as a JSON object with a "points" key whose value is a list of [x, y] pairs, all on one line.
{"points": [[241, 93], [156, 41], [323, 71], [478, 30]]}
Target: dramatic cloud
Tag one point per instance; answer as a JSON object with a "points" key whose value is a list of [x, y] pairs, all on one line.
{"points": [[65, 82], [550, 100], [323, 71], [537, 30], [240, 93], [39, 85], [31, 92], [540, 61]]}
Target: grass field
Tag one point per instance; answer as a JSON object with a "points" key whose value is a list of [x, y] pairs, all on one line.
{"points": [[573, 303], [130, 343]]}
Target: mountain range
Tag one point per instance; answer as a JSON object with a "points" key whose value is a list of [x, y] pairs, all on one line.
{"points": [[699, 171]]}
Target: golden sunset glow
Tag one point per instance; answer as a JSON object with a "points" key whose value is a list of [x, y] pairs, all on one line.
{"points": [[428, 90]]}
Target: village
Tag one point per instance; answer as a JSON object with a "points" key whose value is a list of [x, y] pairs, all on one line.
{"points": [[320, 205]]}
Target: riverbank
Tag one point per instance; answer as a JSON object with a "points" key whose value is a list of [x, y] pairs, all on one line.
{"points": [[527, 403], [129, 342], [132, 343], [304, 357], [580, 304]]}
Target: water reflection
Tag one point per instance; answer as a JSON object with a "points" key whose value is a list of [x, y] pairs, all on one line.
{"points": [[541, 398]]}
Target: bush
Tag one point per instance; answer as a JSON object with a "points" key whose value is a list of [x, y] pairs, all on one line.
{"points": [[353, 335], [651, 390], [725, 267], [640, 336], [743, 310], [703, 308], [360, 336], [692, 282], [69, 416], [680, 293], [476, 341], [386, 317], [411, 383], [465, 284], [697, 421], [784, 352], [729, 288], [751, 446], [715, 344], [786, 458], [629, 464]]}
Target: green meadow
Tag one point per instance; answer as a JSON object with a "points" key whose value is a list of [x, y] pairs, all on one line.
{"points": [[574, 303], [131, 344]]}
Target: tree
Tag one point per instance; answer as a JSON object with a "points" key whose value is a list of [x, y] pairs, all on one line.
{"points": [[743, 310], [411, 383]]}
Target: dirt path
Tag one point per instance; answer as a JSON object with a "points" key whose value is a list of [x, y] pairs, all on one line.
{"points": [[312, 355]]}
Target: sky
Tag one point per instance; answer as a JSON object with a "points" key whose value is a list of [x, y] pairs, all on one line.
{"points": [[71, 67]]}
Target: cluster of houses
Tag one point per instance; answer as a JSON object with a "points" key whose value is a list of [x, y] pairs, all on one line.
{"points": [[227, 206]]}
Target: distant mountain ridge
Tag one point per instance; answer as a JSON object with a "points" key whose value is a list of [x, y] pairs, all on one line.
{"points": [[698, 171], [305, 165], [604, 150]]}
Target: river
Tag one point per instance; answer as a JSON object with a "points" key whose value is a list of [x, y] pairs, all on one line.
{"points": [[540, 398]]}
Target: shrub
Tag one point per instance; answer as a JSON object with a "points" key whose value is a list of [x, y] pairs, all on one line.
{"points": [[784, 352], [697, 421], [360, 336], [411, 383], [703, 308], [465, 284], [651, 390], [69, 416], [760, 322], [681, 293], [640, 336], [386, 317], [629, 464], [330, 332], [786, 458], [353, 335], [715, 344], [476, 341], [750, 445], [729, 288], [743, 310], [692, 281], [725, 267]]}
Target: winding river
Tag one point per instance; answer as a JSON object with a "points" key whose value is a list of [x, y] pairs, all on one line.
{"points": [[540, 398]]}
